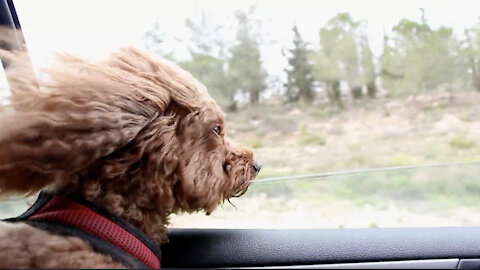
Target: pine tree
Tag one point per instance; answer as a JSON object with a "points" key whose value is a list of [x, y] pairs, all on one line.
{"points": [[245, 70], [299, 72], [155, 40], [208, 60], [368, 67], [419, 58], [472, 53], [337, 59]]}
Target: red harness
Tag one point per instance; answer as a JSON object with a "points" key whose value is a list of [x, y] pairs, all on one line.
{"points": [[117, 238]]}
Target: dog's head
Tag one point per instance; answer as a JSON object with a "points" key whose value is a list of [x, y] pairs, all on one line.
{"points": [[134, 133], [185, 144], [211, 167]]}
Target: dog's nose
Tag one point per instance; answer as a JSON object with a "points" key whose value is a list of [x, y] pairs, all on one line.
{"points": [[257, 166]]}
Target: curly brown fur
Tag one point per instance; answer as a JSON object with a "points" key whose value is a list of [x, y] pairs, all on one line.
{"points": [[22, 246], [132, 133]]}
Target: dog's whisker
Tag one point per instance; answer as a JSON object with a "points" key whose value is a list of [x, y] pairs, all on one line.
{"points": [[240, 192], [232, 204]]}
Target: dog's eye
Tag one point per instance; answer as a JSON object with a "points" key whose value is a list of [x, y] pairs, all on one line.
{"points": [[216, 130]]}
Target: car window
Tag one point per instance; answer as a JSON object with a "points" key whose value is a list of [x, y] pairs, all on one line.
{"points": [[362, 113]]}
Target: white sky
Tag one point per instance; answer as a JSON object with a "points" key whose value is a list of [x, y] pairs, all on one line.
{"points": [[94, 28]]}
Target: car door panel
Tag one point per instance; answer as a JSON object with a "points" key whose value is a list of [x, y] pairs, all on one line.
{"points": [[264, 247]]}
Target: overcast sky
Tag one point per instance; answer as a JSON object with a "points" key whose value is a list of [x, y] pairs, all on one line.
{"points": [[94, 27]]}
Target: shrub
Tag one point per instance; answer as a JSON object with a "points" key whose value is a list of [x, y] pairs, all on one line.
{"points": [[311, 139], [461, 143]]}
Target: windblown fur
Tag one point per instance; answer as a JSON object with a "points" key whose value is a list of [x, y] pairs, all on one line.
{"points": [[132, 133]]}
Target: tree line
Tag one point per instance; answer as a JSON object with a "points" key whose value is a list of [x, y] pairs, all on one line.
{"points": [[416, 58]]}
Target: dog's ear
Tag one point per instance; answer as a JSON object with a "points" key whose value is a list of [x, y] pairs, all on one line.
{"points": [[75, 114], [181, 86]]}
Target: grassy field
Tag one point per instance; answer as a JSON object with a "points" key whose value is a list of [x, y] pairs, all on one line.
{"points": [[298, 139]]}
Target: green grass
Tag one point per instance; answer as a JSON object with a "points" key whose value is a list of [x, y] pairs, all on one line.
{"points": [[461, 142], [404, 159], [311, 139], [253, 141], [308, 138]]}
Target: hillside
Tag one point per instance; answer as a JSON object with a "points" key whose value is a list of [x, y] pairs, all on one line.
{"points": [[300, 139]]}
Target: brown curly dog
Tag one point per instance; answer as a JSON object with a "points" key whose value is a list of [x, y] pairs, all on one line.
{"points": [[134, 135]]}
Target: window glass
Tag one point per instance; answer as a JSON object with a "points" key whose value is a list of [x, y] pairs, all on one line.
{"points": [[362, 113]]}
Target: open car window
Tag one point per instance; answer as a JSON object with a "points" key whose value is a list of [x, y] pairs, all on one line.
{"points": [[324, 94]]}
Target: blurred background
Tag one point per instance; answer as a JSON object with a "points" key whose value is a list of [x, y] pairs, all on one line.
{"points": [[312, 87]]}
